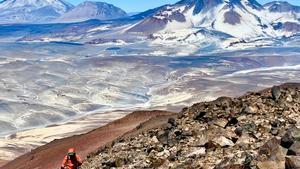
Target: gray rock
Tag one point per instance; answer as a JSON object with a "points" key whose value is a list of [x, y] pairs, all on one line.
{"points": [[276, 92], [163, 137], [172, 121], [239, 131], [287, 140], [273, 151], [295, 149], [295, 133], [290, 137]]}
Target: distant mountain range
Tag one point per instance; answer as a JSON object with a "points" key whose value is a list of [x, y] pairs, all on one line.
{"points": [[213, 24], [238, 18], [46, 11], [32, 11]]}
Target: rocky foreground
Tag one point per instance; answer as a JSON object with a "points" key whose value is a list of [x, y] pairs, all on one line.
{"points": [[259, 130]]}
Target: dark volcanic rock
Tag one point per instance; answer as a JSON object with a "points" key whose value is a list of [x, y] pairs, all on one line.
{"points": [[199, 115]]}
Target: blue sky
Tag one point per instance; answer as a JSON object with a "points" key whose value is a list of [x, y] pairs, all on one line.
{"points": [[142, 5]]}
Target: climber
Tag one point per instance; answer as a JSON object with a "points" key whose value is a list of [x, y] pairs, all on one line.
{"points": [[71, 160]]}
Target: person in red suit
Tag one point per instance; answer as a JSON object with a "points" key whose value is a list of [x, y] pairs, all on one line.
{"points": [[71, 160]]}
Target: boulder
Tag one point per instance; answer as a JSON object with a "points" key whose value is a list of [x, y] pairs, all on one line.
{"points": [[287, 140], [232, 121], [292, 162], [238, 131], [290, 137], [273, 151], [270, 165], [272, 155], [234, 166], [119, 162], [295, 133], [172, 121], [276, 92], [163, 137], [210, 145], [223, 141], [199, 115], [155, 163], [197, 152], [249, 110], [295, 149], [221, 122]]}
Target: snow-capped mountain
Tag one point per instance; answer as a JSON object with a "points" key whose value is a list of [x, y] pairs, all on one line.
{"points": [[283, 16], [281, 7], [92, 10], [32, 11], [243, 19], [213, 24]]}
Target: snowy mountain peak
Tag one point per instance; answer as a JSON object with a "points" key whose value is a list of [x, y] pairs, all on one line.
{"points": [[205, 5], [281, 6], [200, 5], [32, 11], [92, 10], [212, 14], [59, 5]]}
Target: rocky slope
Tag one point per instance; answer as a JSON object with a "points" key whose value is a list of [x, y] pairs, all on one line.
{"points": [[259, 130], [50, 155]]}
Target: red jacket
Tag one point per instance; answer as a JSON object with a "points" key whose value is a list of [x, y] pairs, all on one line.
{"points": [[71, 163]]}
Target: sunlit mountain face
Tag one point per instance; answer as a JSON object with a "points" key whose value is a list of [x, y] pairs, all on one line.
{"points": [[92, 10], [94, 58]]}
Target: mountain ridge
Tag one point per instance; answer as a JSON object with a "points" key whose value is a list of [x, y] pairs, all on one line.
{"points": [[92, 10], [244, 20], [51, 11], [32, 11]]}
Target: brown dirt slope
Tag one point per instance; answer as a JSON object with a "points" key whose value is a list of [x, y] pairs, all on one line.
{"points": [[2, 162], [50, 155]]}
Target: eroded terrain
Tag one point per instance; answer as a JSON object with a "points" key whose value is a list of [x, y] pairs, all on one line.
{"points": [[59, 84]]}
